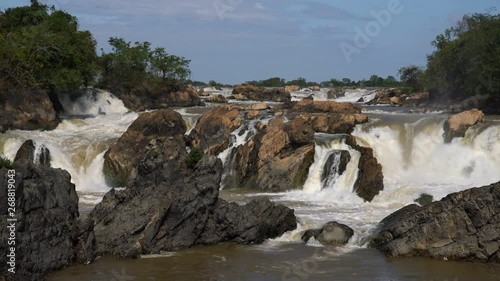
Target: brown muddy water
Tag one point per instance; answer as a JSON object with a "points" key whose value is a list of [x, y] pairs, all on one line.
{"points": [[231, 262]]}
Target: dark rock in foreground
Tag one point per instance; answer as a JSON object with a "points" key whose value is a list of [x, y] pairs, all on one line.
{"points": [[171, 213], [331, 234], [335, 166], [462, 226], [27, 154], [370, 176], [49, 234], [159, 133]]}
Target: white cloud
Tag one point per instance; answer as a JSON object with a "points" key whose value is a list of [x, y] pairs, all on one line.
{"points": [[259, 6]]}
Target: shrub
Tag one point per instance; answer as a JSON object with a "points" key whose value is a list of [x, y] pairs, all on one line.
{"points": [[5, 162], [194, 157]]}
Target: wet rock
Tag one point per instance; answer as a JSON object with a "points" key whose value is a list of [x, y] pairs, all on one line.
{"points": [[291, 88], [28, 153], [331, 234], [179, 212], [394, 101], [165, 127], [370, 177], [250, 92], [274, 160], [314, 88], [217, 99], [310, 106], [166, 95], [258, 106], [49, 232], [462, 226], [26, 110], [335, 165], [211, 132], [457, 124]]}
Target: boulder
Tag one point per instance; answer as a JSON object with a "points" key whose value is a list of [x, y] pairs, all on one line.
{"points": [[250, 92], [25, 109], [335, 166], [310, 106], [394, 101], [273, 160], [457, 124], [258, 106], [291, 88], [314, 88], [160, 133], [335, 93], [28, 153], [252, 114], [49, 232], [331, 234], [211, 132], [217, 99], [178, 212], [462, 226], [383, 96], [370, 179]]}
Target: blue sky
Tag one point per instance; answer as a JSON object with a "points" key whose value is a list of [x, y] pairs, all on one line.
{"points": [[233, 41]]}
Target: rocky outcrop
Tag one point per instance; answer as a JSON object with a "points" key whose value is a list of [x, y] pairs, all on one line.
{"points": [[26, 110], [28, 153], [250, 92], [49, 233], [273, 160], [370, 176], [159, 133], [396, 97], [462, 226], [217, 99], [165, 95], [327, 116], [331, 234], [214, 127], [175, 212], [336, 164], [314, 88], [291, 88], [335, 93], [457, 124]]}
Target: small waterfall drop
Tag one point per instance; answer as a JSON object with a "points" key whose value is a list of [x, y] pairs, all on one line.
{"points": [[92, 102]]}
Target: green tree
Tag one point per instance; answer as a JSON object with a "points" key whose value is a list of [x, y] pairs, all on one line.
{"points": [[41, 47], [129, 65], [467, 58], [413, 77]]}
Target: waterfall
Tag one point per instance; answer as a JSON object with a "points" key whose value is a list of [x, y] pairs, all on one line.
{"points": [[92, 102], [76, 145]]}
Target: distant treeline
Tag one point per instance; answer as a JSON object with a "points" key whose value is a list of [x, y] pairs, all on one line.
{"points": [[41, 47], [374, 81]]}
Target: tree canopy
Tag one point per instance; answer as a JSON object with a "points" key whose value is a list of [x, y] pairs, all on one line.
{"points": [[131, 64], [41, 47], [467, 58]]}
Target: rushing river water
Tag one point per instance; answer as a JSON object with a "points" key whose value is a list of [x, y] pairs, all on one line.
{"points": [[409, 146]]}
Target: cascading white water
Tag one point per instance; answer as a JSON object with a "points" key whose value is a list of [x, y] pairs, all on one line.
{"points": [[78, 145], [354, 95], [415, 160], [92, 102]]}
